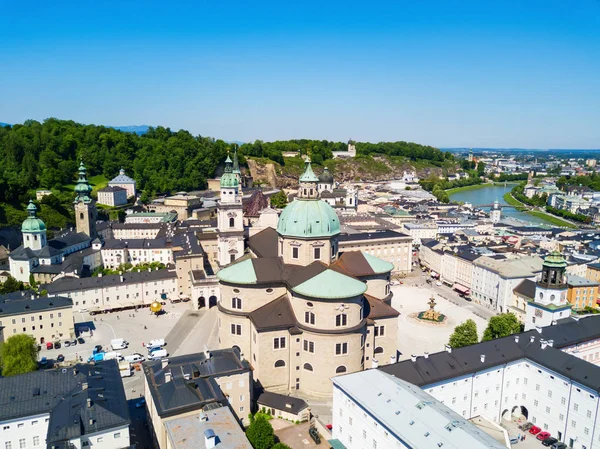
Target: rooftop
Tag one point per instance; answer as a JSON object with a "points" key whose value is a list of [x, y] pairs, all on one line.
{"points": [[27, 303]]}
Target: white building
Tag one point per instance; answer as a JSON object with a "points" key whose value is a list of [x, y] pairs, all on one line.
{"points": [[124, 181], [420, 231], [112, 196], [65, 408], [230, 218], [538, 375], [374, 409]]}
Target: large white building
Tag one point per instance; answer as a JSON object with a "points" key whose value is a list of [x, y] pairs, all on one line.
{"points": [[548, 375], [372, 409], [82, 406]]}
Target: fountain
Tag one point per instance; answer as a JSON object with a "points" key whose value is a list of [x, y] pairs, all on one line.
{"points": [[431, 314]]}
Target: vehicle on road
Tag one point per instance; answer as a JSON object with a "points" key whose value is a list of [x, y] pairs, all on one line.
{"points": [[535, 430], [514, 440], [67, 343], [49, 345], [159, 354], [81, 341], [314, 434], [135, 358], [60, 358], [44, 361], [140, 403], [113, 355], [57, 345], [549, 441], [158, 343], [543, 436], [125, 369], [439, 284], [97, 349], [74, 342], [559, 445], [118, 343]]}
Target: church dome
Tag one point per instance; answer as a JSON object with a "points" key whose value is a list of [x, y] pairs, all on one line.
{"points": [[326, 177], [308, 218], [32, 223], [229, 179]]}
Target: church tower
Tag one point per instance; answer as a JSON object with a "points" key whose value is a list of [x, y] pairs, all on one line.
{"points": [[496, 212], [550, 301], [33, 229], [230, 218], [85, 206], [236, 168]]}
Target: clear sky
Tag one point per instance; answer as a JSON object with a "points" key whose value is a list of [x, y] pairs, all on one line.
{"points": [[493, 73]]}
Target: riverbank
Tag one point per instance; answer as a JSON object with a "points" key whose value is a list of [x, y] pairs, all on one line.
{"points": [[477, 187], [544, 216]]}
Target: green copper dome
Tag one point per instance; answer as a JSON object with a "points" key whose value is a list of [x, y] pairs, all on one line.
{"points": [[308, 218], [32, 223], [555, 260], [83, 189], [309, 174], [229, 179]]}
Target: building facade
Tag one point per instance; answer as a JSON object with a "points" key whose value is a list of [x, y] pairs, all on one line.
{"points": [[112, 196], [391, 246], [125, 182], [230, 218]]}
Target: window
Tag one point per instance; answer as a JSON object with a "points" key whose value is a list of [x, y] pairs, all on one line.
{"points": [[309, 346], [22, 444], [341, 348], [236, 303], [535, 402], [36, 441], [236, 329], [561, 417], [378, 350], [317, 253], [279, 363], [537, 387], [340, 369], [231, 222], [279, 343], [589, 413], [379, 331], [573, 423], [294, 253], [8, 445], [100, 439], [563, 401], [309, 318], [548, 410], [308, 367], [575, 407], [341, 319], [117, 435]]}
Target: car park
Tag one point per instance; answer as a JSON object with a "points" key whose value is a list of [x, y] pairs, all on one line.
{"points": [[549, 441], [534, 430], [543, 436]]}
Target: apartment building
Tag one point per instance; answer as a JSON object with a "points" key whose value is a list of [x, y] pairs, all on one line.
{"points": [[420, 231]]}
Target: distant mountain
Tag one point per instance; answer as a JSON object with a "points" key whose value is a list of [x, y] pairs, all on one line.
{"points": [[4, 124], [138, 129], [238, 142]]}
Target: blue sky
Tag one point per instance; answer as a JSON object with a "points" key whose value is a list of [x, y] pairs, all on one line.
{"points": [[445, 73]]}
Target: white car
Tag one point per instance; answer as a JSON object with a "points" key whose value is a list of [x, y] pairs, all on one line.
{"points": [[134, 358], [439, 284]]}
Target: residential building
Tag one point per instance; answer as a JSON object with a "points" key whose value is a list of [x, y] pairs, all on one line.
{"points": [[420, 231], [194, 385], [150, 217], [391, 246], [582, 292], [112, 196], [283, 406], [182, 204], [430, 255], [46, 319], [76, 407], [375, 409], [125, 182]]}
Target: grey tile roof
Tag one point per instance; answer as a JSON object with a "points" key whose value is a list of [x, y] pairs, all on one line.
{"points": [[28, 303], [282, 402], [377, 235], [64, 393]]}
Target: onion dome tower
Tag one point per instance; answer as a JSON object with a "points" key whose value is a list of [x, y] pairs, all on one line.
{"points": [[85, 206], [230, 217], [33, 229]]}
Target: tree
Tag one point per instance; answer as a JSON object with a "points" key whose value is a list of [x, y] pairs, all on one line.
{"points": [[500, 326], [464, 334], [279, 200], [18, 355], [281, 446], [11, 285], [260, 433], [480, 168]]}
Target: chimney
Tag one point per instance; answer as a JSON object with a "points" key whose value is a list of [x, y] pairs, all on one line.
{"points": [[413, 358], [448, 348], [516, 339], [210, 439], [89, 402], [544, 343], [203, 417], [550, 343], [121, 278], [539, 329], [482, 357], [149, 270], [91, 421], [99, 275], [426, 355], [75, 371], [553, 322], [532, 339], [164, 363], [168, 376], [84, 386]]}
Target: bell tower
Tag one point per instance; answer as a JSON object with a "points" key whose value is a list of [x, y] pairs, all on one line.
{"points": [[550, 301], [230, 218], [85, 207]]}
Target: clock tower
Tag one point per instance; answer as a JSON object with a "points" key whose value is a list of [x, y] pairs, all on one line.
{"points": [[550, 301], [230, 217], [85, 206]]}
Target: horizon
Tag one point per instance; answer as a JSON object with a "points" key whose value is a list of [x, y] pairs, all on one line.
{"points": [[472, 74]]}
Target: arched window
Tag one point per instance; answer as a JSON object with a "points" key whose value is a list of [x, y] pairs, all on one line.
{"points": [[378, 350], [279, 363], [341, 319], [231, 222], [309, 318], [236, 303], [340, 369], [81, 215], [308, 367]]}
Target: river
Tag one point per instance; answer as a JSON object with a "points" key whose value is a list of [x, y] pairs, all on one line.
{"points": [[489, 194]]}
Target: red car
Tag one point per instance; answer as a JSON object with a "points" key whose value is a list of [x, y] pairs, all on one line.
{"points": [[49, 345], [543, 436], [534, 430]]}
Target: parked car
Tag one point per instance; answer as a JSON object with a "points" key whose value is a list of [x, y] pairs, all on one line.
{"points": [[57, 345], [134, 358], [543, 436], [74, 342], [60, 358], [549, 441], [80, 340], [314, 434], [97, 348], [44, 361], [439, 284], [534, 430], [514, 440], [49, 345], [559, 445], [67, 343], [140, 403]]}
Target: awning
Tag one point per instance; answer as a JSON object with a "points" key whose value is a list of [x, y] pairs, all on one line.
{"points": [[461, 289]]}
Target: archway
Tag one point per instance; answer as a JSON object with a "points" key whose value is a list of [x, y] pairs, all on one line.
{"points": [[212, 301], [518, 411], [237, 348], [201, 302]]}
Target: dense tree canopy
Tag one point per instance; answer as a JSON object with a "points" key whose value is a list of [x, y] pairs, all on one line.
{"points": [[464, 334], [279, 200], [18, 355], [260, 433], [501, 325]]}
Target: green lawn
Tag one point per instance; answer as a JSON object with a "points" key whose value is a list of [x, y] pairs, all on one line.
{"points": [[97, 182], [544, 216]]}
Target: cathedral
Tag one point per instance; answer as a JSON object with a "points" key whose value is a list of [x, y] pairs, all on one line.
{"points": [[298, 310], [44, 258]]}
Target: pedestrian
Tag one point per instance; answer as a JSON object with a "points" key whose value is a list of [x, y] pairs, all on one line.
{"points": [[524, 436]]}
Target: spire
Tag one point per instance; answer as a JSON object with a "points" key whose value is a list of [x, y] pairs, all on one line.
{"points": [[83, 189], [308, 175], [31, 209], [236, 164], [229, 180]]}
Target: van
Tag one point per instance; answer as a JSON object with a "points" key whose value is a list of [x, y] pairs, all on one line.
{"points": [[118, 343], [112, 355], [158, 354], [157, 343]]}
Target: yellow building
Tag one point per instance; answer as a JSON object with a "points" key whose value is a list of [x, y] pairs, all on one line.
{"points": [[582, 292]]}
